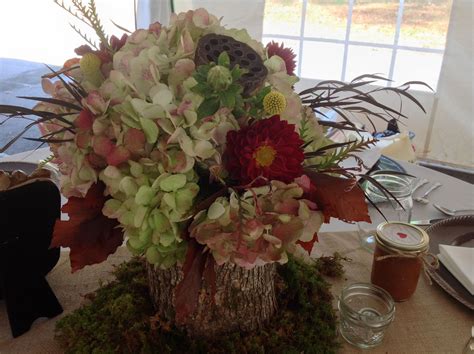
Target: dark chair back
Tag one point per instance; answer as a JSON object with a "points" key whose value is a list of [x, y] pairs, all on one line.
{"points": [[27, 217]]}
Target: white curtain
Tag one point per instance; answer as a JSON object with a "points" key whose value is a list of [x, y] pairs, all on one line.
{"points": [[246, 14], [451, 130], [150, 11]]}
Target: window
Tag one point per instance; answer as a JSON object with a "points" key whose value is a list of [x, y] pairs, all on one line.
{"points": [[341, 39]]}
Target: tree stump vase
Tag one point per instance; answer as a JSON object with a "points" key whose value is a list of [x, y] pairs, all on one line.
{"points": [[244, 299]]}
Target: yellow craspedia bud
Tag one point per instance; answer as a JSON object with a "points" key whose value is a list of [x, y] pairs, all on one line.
{"points": [[90, 67], [274, 103], [90, 63]]}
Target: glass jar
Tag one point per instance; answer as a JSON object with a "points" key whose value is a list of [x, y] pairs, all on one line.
{"points": [[398, 258], [400, 187], [365, 312]]}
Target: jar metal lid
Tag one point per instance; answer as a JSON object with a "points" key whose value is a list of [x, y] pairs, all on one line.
{"points": [[401, 236]]}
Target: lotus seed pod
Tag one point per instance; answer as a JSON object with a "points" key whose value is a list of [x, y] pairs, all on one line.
{"points": [[128, 186], [219, 78], [4, 181], [173, 183], [90, 67], [144, 195], [211, 46]]}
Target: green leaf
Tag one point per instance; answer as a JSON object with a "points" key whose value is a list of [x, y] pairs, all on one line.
{"points": [[223, 59], [252, 112], [263, 92], [208, 107], [201, 88], [228, 99], [238, 112], [201, 73], [234, 89], [236, 72]]}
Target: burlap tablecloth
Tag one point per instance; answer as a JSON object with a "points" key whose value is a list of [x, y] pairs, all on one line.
{"points": [[430, 322]]}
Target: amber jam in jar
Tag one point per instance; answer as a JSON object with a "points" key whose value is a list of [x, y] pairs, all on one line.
{"points": [[399, 248]]}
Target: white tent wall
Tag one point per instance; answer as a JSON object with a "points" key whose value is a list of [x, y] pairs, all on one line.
{"points": [[246, 14], [451, 131]]}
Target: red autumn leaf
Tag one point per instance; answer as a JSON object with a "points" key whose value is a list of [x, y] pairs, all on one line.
{"points": [[187, 291], [308, 246], [340, 198], [90, 235]]}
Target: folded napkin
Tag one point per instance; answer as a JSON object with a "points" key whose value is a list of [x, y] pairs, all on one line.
{"points": [[460, 262], [398, 146]]}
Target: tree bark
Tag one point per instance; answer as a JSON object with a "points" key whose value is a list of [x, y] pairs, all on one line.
{"points": [[244, 299]]}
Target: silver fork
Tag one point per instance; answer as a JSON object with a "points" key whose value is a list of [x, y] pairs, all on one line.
{"points": [[423, 198], [419, 184]]}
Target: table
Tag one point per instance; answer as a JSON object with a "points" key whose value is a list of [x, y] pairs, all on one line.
{"points": [[453, 193], [430, 322]]}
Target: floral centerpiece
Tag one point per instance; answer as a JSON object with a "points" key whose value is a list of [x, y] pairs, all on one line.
{"points": [[189, 142]]}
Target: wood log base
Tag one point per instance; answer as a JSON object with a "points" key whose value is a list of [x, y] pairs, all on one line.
{"points": [[244, 299]]}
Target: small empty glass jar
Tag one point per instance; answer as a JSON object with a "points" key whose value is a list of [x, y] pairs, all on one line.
{"points": [[366, 311]]}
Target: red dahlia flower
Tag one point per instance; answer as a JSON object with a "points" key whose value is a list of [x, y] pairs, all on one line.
{"points": [[269, 148], [287, 54]]}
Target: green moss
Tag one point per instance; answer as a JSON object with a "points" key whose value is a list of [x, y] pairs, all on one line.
{"points": [[120, 319]]}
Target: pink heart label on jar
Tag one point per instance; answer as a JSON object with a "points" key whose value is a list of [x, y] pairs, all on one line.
{"points": [[402, 235]]}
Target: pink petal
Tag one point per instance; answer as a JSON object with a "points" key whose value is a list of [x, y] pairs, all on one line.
{"points": [[134, 140], [84, 120], [118, 155], [102, 146]]}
